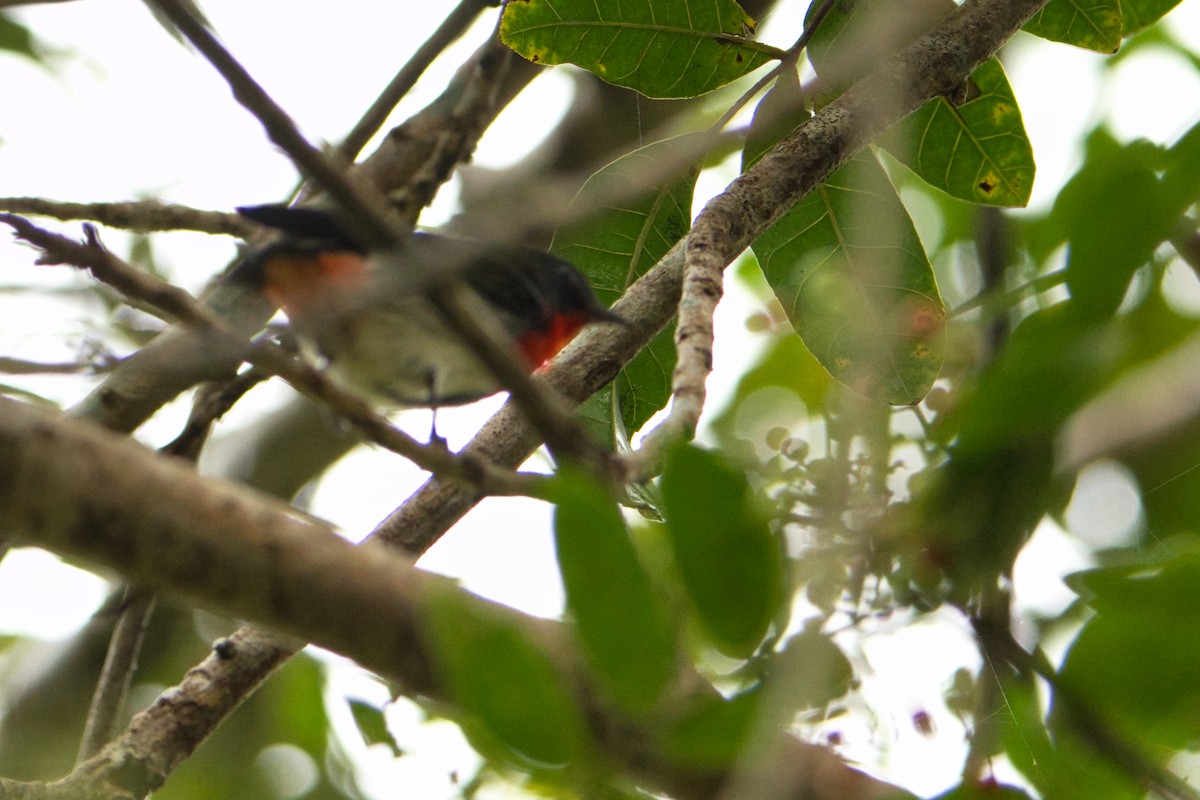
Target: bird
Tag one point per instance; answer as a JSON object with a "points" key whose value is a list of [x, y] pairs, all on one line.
{"points": [[373, 330]]}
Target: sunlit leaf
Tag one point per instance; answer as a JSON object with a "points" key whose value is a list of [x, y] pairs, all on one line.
{"points": [[1140, 14], [1091, 24], [976, 150], [848, 267], [677, 48], [624, 631], [729, 559], [617, 244], [16, 38]]}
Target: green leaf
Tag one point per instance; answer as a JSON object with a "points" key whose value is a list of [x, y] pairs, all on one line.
{"points": [[1140, 14], [624, 630], [504, 681], [976, 151], [714, 732], [617, 245], [676, 48], [1134, 663], [372, 725], [728, 557], [1110, 240], [1091, 24], [849, 269], [16, 38]]}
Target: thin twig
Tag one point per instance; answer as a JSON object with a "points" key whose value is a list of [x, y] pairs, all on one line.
{"points": [[211, 403], [452, 27], [20, 366], [140, 216], [788, 61], [120, 663]]}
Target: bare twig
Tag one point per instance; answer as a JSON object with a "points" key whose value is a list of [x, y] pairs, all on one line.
{"points": [[20, 366], [120, 662], [211, 402], [141, 216]]}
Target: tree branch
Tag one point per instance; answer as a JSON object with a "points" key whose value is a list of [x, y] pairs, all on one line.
{"points": [[933, 65], [107, 500], [141, 216]]}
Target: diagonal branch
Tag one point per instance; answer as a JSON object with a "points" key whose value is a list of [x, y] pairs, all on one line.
{"points": [[933, 65], [105, 499]]}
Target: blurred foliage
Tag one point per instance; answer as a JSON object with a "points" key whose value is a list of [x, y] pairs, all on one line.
{"points": [[906, 398]]}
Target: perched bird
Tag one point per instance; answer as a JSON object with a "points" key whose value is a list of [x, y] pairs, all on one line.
{"points": [[380, 336]]}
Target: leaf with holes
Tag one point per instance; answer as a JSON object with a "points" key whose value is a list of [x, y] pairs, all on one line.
{"points": [[614, 247], [676, 48], [1090, 24], [849, 269], [977, 150]]}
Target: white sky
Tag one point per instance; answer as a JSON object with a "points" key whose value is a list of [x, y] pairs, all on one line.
{"points": [[127, 112]]}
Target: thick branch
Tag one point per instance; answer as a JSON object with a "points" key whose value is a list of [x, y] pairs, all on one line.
{"points": [[103, 498]]}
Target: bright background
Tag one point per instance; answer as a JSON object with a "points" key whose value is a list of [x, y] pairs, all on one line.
{"points": [[126, 112]]}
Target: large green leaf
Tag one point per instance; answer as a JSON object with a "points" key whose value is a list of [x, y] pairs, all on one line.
{"points": [[504, 681], [976, 150], [624, 631], [1134, 663], [1091, 24], [616, 245], [1110, 240], [849, 269], [1137, 15], [16, 38], [728, 557], [664, 48]]}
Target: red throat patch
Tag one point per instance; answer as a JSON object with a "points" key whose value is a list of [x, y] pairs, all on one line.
{"points": [[542, 344]]}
